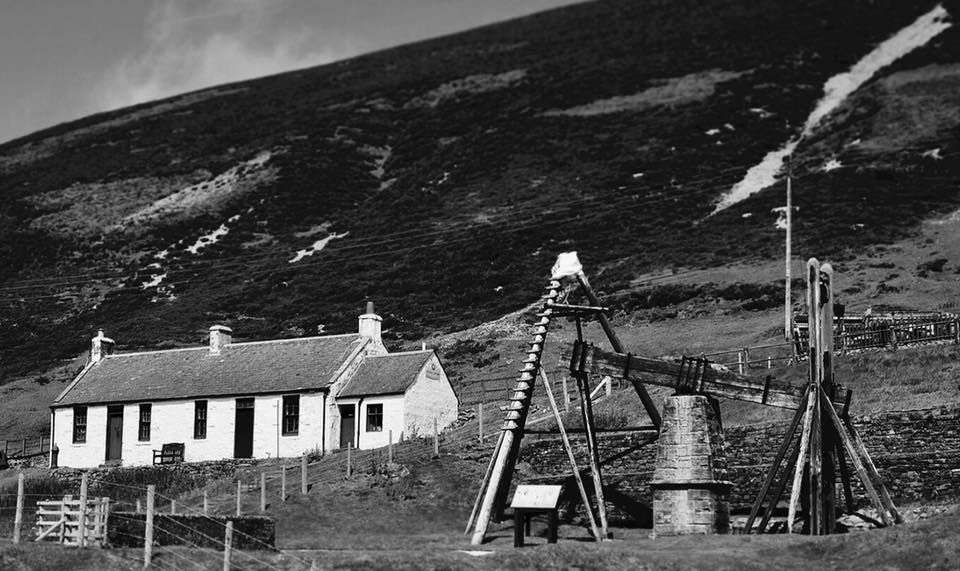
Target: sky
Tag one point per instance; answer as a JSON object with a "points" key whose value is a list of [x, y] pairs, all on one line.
{"points": [[65, 59]]}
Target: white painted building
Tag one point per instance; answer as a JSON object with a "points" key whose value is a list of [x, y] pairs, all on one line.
{"points": [[249, 400]]}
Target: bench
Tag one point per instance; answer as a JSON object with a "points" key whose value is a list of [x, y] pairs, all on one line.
{"points": [[170, 453], [529, 501]]}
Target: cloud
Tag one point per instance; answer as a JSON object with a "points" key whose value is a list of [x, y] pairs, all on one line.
{"points": [[190, 45]]}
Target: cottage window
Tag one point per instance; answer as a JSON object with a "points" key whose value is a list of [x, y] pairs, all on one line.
{"points": [[79, 424], [200, 419], [374, 418], [291, 414], [144, 433]]}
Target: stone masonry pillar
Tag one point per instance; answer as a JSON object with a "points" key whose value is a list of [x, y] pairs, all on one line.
{"points": [[690, 483]]}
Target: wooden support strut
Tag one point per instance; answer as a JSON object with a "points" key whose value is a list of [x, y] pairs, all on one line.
{"points": [[492, 496]]}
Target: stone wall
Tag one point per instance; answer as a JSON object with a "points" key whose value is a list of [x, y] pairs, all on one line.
{"points": [[126, 529], [916, 452]]}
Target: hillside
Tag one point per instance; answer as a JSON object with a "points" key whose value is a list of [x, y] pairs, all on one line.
{"points": [[441, 178]]}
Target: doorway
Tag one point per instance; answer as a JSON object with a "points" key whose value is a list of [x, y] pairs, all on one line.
{"points": [[243, 435], [114, 433], [347, 425]]}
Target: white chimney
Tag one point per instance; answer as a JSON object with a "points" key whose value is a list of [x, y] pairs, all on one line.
{"points": [[369, 325], [100, 347], [220, 337]]}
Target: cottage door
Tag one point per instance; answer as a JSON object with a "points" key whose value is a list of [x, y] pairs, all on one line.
{"points": [[243, 434], [347, 426], [114, 433]]}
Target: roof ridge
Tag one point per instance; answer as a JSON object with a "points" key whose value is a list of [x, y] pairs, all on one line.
{"points": [[402, 353], [206, 347]]}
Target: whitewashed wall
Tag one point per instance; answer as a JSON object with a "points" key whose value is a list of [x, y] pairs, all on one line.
{"points": [[371, 347], [172, 421], [430, 397], [392, 419]]}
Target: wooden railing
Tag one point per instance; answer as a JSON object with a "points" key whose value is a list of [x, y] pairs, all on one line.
{"points": [[25, 447]]}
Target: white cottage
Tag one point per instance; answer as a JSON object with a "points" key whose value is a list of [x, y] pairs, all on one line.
{"points": [[248, 400]]}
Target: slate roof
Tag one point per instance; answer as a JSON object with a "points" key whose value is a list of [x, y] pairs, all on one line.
{"points": [[285, 365], [386, 374]]}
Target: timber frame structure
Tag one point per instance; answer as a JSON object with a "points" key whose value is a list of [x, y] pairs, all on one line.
{"points": [[827, 438]]}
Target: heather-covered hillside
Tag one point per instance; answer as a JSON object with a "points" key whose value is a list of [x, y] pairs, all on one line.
{"points": [[440, 179]]}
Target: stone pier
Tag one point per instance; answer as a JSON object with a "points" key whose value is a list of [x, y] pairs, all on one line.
{"points": [[690, 485]]}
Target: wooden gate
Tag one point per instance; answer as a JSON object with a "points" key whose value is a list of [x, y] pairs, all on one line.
{"points": [[60, 520]]}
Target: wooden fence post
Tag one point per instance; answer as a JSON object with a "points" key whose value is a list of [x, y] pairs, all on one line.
{"points": [[303, 474], [390, 447], [436, 439], [239, 483], [18, 518], [349, 448], [173, 507], [84, 484], [206, 503], [139, 507], [566, 393], [148, 528], [227, 545], [283, 483], [480, 417], [263, 491]]}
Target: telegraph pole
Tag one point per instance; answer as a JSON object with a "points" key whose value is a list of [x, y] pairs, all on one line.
{"points": [[787, 293]]}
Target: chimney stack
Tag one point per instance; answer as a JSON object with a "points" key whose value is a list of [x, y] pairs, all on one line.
{"points": [[369, 325], [220, 337], [100, 347]]}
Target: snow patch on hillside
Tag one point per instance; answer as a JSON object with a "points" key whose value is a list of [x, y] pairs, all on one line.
{"points": [[472, 84], [316, 247], [670, 92], [200, 194], [835, 91]]}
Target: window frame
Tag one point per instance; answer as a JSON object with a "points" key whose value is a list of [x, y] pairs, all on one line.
{"points": [[290, 415], [370, 426], [200, 419], [80, 430], [143, 424]]}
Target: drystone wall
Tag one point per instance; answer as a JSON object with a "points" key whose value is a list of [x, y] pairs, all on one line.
{"points": [[917, 454]]}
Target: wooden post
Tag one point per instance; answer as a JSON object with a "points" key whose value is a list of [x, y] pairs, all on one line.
{"points": [[238, 497], [390, 446], [18, 518], [148, 528], [84, 484], [263, 491], [740, 362], [227, 545], [173, 507], [283, 483], [570, 456], [787, 293], [23, 447], [139, 506], [436, 439], [206, 503], [566, 393], [303, 474], [480, 419], [586, 407]]}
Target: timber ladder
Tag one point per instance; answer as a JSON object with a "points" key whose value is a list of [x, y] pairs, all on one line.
{"points": [[493, 493]]}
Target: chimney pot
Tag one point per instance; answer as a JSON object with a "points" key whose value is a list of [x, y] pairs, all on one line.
{"points": [[369, 323], [100, 347], [220, 337]]}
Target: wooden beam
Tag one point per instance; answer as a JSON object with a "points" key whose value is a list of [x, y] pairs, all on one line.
{"points": [[717, 382], [774, 468], [645, 398]]}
